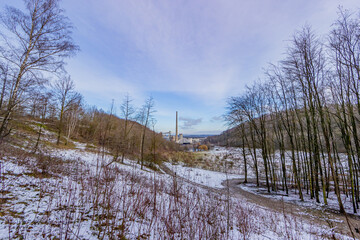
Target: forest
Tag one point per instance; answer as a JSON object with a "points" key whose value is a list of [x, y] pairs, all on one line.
{"points": [[308, 106], [69, 170]]}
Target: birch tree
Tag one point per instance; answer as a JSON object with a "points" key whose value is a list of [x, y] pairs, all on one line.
{"points": [[33, 41]]}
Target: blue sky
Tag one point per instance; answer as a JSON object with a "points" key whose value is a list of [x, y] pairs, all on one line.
{"points": [[190, 55]]}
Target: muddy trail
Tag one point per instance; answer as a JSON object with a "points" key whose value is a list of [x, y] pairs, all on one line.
{"points": [[328, 217], [325, 216]]}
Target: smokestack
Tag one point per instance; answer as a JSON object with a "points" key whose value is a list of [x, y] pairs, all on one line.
{"points": [[176, 132]]}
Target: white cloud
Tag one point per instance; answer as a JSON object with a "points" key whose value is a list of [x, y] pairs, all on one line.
{"points": [[202, 47], [189, 123], [202, 50], [192, 40]]}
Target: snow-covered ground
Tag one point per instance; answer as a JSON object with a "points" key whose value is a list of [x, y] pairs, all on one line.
{"points": [[218, 179], [205, 177], [77, 194], [293, 197], [230, 160]]}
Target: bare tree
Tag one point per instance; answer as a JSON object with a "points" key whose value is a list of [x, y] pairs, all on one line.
{"points": [[127, 112], [344, 43], [121, 139], [65, 95], [145, 117], [4, 75], [72, 117], [43, 108], [32, 42], [311, 101]]}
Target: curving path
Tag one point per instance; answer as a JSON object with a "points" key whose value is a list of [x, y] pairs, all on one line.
{"points": [[339, 221], [319, 217]]}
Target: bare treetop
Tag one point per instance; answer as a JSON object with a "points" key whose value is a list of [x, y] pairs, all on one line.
{"points": [[32, 42], [39, 38]]}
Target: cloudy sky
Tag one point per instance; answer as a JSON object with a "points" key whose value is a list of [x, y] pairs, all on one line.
{"points": [[190, 55]]}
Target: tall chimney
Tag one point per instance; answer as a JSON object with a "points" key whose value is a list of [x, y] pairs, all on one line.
{"points": [[176, 132]]}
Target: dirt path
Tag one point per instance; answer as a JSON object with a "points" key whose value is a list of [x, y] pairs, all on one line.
{"points": [[318, 217], [313, 216]]}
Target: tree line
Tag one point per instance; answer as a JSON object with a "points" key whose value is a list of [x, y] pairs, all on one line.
{"points": [[34, 46], [307, 109]]}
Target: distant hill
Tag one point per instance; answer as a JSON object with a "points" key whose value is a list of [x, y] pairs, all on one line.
{"points": [[232, 137], [198, 135], [226, 138]]}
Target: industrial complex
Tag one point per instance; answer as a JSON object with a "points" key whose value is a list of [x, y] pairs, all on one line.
{"points": [[179, 137]]}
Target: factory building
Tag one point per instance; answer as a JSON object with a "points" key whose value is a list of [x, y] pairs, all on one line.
{"points": [[179, 138]]}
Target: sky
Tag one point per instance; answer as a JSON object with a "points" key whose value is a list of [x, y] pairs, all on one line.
{"points": [[189, 55]]}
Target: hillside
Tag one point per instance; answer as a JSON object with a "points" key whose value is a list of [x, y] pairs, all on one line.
{"points": [[92, 91], [73, 192], [236, 135], [101, 130]]}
